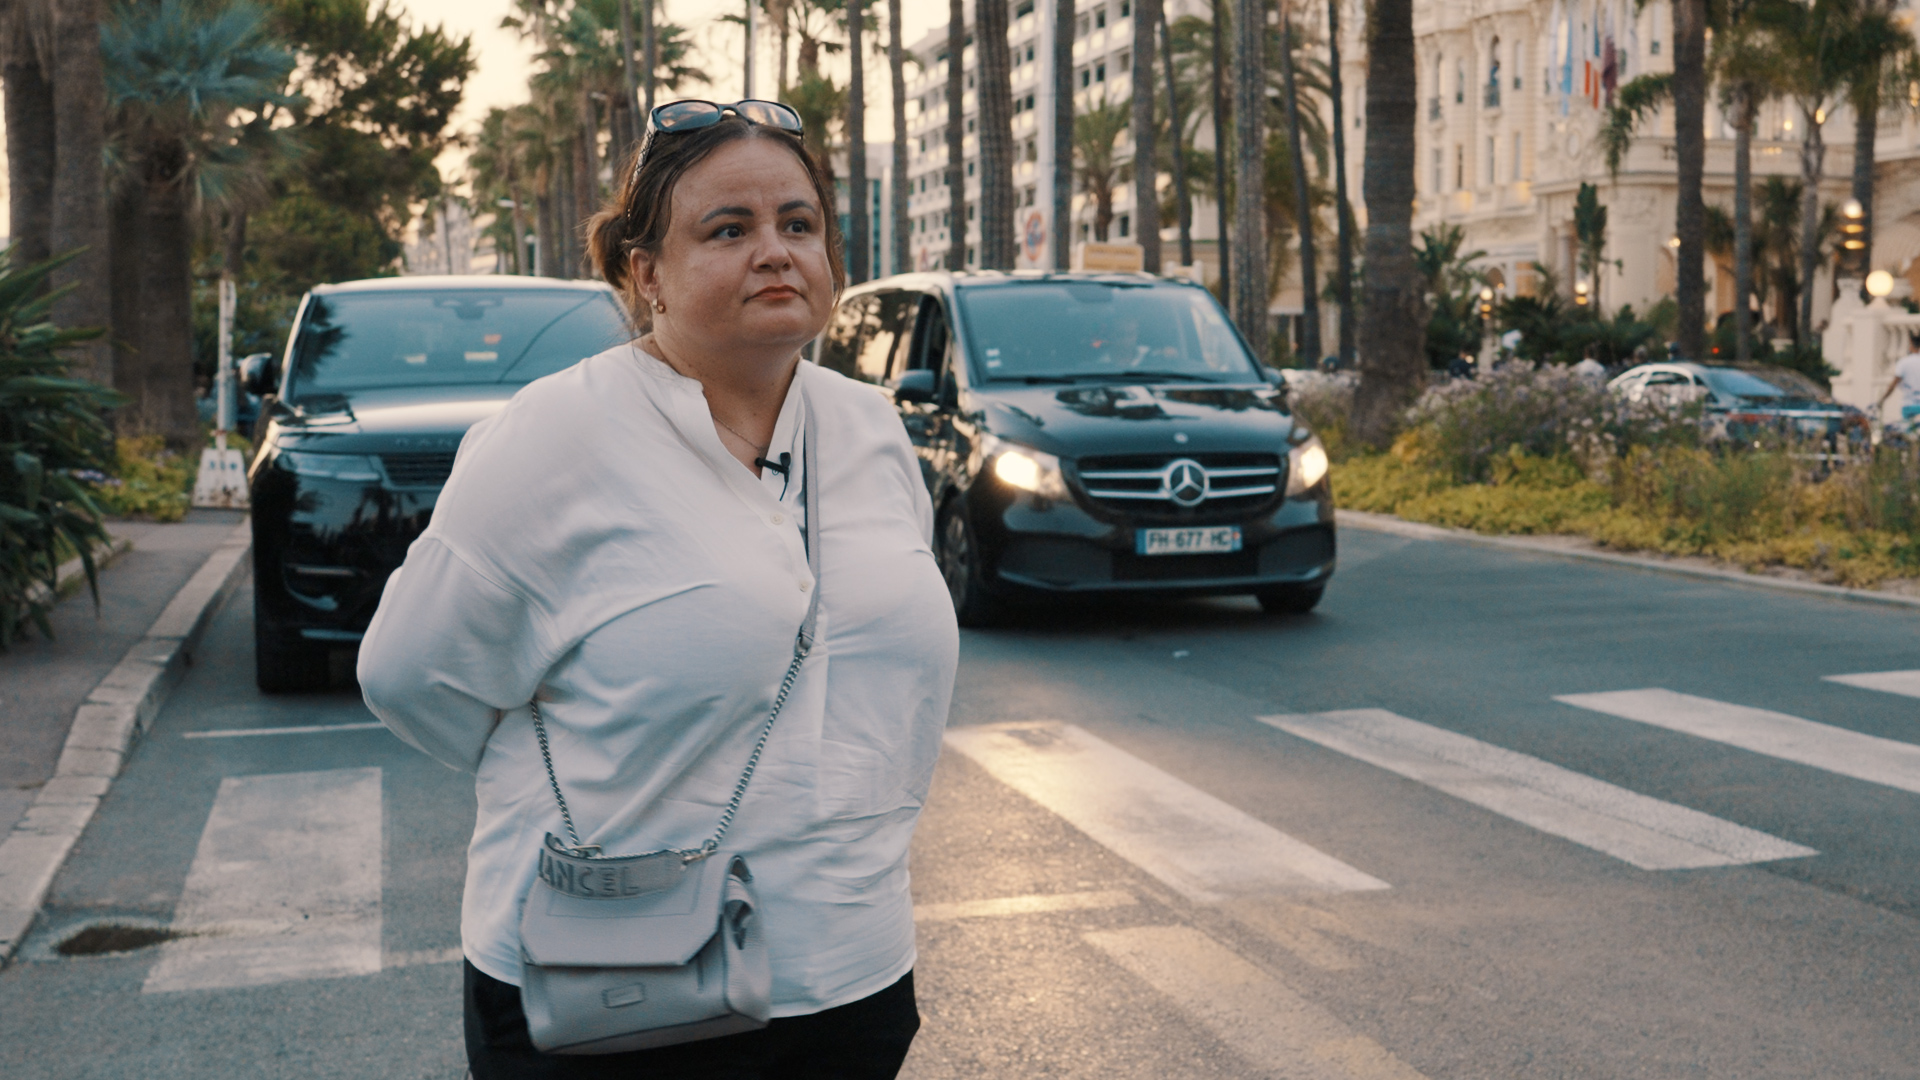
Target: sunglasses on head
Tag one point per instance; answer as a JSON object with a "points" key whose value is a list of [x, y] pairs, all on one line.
{"points": [[691, 115]]}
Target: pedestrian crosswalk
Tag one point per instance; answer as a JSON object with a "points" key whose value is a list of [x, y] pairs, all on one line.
{"points": [[1906, 683], [1643, 831]]}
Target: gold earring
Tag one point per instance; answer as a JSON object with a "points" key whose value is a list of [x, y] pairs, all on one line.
{"points": [[659, 306]]}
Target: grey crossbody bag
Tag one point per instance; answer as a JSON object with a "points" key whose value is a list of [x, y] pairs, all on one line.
{"points": [[632, 952]]}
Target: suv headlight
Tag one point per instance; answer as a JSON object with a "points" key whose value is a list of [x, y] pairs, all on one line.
{"points": [[1026, 468], [1307, 465], [355, 468]]}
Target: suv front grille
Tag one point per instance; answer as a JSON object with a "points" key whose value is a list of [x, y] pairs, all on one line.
{"points": [[1155, 483], [417, 470]]}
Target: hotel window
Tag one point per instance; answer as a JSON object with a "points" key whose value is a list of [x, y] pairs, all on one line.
{"points": [[1459, 166], [1437, 185], [1459, 82], [1086, 78], [1100, 18], [1100, 73], [1126, 8], [1516, 155], [1492, 172], [1126, 223]]}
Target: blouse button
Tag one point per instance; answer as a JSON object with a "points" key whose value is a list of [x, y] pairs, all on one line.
{"points": [[777, 519], [805, 585]]}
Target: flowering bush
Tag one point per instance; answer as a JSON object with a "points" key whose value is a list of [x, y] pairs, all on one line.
{"points": [[1462, 427], [1324, 400]]}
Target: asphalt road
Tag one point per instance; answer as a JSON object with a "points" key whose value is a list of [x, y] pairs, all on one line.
{"points": [[1172, 841]]}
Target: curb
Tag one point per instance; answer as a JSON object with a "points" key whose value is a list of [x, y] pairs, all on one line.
{"points": [[117, 712], [72, 575], [1387, 523]]}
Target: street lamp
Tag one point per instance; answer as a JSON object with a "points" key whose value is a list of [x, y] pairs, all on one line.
{"points": [[1879, 284], [1486, 302], [1853, 239], [1580, 294]]}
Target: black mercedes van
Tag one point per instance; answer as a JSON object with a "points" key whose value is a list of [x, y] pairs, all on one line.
{"points": [[1092, 433]]}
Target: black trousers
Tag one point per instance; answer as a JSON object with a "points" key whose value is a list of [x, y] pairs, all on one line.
{"points": [[864, 1040]]}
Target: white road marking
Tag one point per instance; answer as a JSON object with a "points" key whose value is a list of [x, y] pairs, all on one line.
{"points": [[1634, 828], [1022, 905], [1199, 846], [1906, 683], [1257, 1015], [1823, 746], [285, 884], [417, 957], [304, 729]]}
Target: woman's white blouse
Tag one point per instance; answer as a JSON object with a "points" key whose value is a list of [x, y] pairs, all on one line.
{"points": [[598, 545]]}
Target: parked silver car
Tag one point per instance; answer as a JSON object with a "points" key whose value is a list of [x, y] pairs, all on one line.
{"points": [[1747, 400]]}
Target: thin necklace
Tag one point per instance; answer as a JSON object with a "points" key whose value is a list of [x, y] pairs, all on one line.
{"points": [[756, 446]]}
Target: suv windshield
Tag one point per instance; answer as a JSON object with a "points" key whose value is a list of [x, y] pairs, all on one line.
{"points": [[1072, 330], [426, 337]]}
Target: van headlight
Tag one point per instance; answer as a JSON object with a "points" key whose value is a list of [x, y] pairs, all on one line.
{"points": [[353, 468], [1026, 469], [1307, 465]]}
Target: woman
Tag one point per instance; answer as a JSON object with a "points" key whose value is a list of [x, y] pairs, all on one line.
{"points": [[626, 542]]}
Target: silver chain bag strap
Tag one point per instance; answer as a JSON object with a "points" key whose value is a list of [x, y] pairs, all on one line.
{"points": [[632, 952]]}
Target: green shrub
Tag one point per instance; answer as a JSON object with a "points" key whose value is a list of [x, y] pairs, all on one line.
{"points": [[53, 440]]}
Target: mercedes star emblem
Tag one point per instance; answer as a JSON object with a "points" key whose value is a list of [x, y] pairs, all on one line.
{"points": [[1186, 483]]}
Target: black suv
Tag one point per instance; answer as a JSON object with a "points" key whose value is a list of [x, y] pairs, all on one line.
{"points": [[1092, 433], [380, 381]]}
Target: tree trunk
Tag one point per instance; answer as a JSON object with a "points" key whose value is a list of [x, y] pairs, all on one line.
{"points": [[1183, 203], [650, 59], [166, 405], [1343, 207], [80, 182], [859, 203], [30, 157], [1249, 241], [1393, 358], [586, 182], [1690, 150], [1744, 110], [547, 247], [1813, 159], [630, 82], [1866, 131], [1303, 201], [127, 224], [1146, 170], [956, 135], [899, 210], [1221, 118], [995, 109], [1062, 193]]}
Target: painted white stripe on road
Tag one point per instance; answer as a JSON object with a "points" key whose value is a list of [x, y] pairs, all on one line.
{"points": [[1199, 846], [417, 957], [1823, 746], [1256, 1014], [285, 884], [304, 729], [1634, 828], [1906, 683], [1022, 905]]}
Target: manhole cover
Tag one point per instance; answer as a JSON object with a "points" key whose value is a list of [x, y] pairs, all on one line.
{"points": [[113, 938]]}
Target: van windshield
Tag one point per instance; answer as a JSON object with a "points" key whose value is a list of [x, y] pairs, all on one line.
{"points": [[1072, 331], [428, 337]]}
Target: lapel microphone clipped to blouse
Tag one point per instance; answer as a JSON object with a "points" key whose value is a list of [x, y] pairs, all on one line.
{"points": [[783, 467]]}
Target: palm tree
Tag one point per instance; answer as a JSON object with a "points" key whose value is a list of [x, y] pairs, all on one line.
{"points": [[1881, 47], [1393, 337], [495, 167], [995, 97], [1747, 65], [1303, 196], [1690, 152], [1249, 247], [26, 31], [1146, 174], [79, 220], [1220, 119], [1183, 203], [897, 69], [956, 135], [177, 72], [1062, 193], [859, 218], [1094, 133], [1816, 50], [1343, 208]]}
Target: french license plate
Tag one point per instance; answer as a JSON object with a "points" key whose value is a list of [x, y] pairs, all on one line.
{"points": [[1211, 539]]}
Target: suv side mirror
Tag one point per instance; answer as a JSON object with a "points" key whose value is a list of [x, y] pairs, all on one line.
{"points": [[258, 374], [916, 386], [1272, 376]]}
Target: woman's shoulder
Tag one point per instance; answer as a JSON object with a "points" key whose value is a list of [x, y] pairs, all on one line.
{"points": [[833, 394]]}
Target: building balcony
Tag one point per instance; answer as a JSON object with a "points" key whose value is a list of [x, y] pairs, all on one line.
{"points": [[1491, 98], [1433, 108]]}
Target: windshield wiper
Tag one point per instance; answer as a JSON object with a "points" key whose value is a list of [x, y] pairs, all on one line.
{"points": [[1179, 376]]}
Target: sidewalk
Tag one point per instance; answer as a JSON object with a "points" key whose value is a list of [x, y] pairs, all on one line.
{"points": [[43, 683]]}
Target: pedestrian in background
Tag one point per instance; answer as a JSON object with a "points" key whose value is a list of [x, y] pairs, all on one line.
{"points": [[1906, 378], [629, 544]]}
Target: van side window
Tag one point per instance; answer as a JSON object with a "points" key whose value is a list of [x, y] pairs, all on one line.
{"points": [[886, 331], [930, 339], [841, 343]]}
